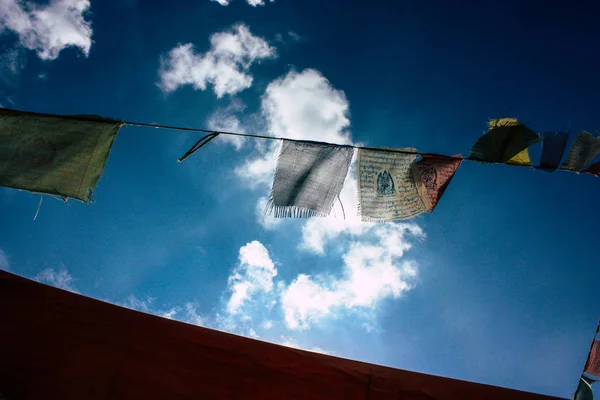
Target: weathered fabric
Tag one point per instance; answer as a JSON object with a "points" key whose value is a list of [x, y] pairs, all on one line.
{"points": [[592, 366], [506, 141], [54, 155], [390, 186], [436, 173], [521, 158], [584, 389], [308, 179], [553, 148], [583, 150], [594, 169]]}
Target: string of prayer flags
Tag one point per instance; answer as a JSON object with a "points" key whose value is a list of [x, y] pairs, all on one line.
{"points": [[54, 155], [584, 389], [506, 141], [390, 186], [553, 148], [592, 366], [584, 149], [593, 169], [436, 173], [308, 178]]}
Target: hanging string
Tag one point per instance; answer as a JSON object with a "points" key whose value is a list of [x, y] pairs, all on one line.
{"points": [[341, 204], [38, 207], [199, 144], [211, 134]]}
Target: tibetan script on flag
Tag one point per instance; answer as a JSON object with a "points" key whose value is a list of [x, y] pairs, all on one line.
{"points": [[436, 173], [389, 186]]}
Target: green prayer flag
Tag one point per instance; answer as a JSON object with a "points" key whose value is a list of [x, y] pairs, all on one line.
{"points": [[505, 139], [62, 156]]}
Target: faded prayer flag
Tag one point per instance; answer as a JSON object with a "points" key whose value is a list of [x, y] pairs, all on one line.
{"points": [[594, 169], [390, 186], [436, 173], [553, 148], [54, 155], [592, 366], [308, 179], [506, 141], [584, 149]]}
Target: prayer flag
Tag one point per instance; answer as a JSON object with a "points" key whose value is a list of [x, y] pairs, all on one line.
{"points": [[553, 148], [436, 174], [54, 155], [583, 150], [521, 159], [504, 142], [594, 169], [390, 186], [592, 366], [308, 178], [584, 390]]}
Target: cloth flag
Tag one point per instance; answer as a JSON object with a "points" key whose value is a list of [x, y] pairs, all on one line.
{"points": [[584, 390], [436, 173], [583, 150], [506, 141], [593, 169], [390, 186], [308, 178], [54, 155], [553, 148], [592, 366]]}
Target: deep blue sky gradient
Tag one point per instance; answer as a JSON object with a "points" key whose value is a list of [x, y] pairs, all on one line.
{"points": [[508, 288]]}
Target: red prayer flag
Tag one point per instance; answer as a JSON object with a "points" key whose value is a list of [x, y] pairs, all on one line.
{"points": [[592, 366], [436, 174], [593, 169]]}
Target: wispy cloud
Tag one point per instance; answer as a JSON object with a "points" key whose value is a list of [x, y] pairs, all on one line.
{"points": [[253, 275], [227, 119], [4, 261], [225, 65], [50, 28], [59, 278], [253, 3], [11, 63]]}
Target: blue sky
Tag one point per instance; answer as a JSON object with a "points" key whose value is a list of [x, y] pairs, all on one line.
{"points": [[498, 285]]}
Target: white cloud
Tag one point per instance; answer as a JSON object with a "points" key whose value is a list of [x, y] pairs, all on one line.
{"points": [[289, 342], [225, 65], [253, 3], [3, 260], [300, 105], [50, 28], [11, 63], [304, 105], [59, 278], [227, 120], [267, 221], [372, 271], [254, 274]]}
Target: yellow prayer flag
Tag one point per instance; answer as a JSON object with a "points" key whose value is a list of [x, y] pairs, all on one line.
{"points": [[521, 159]]}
